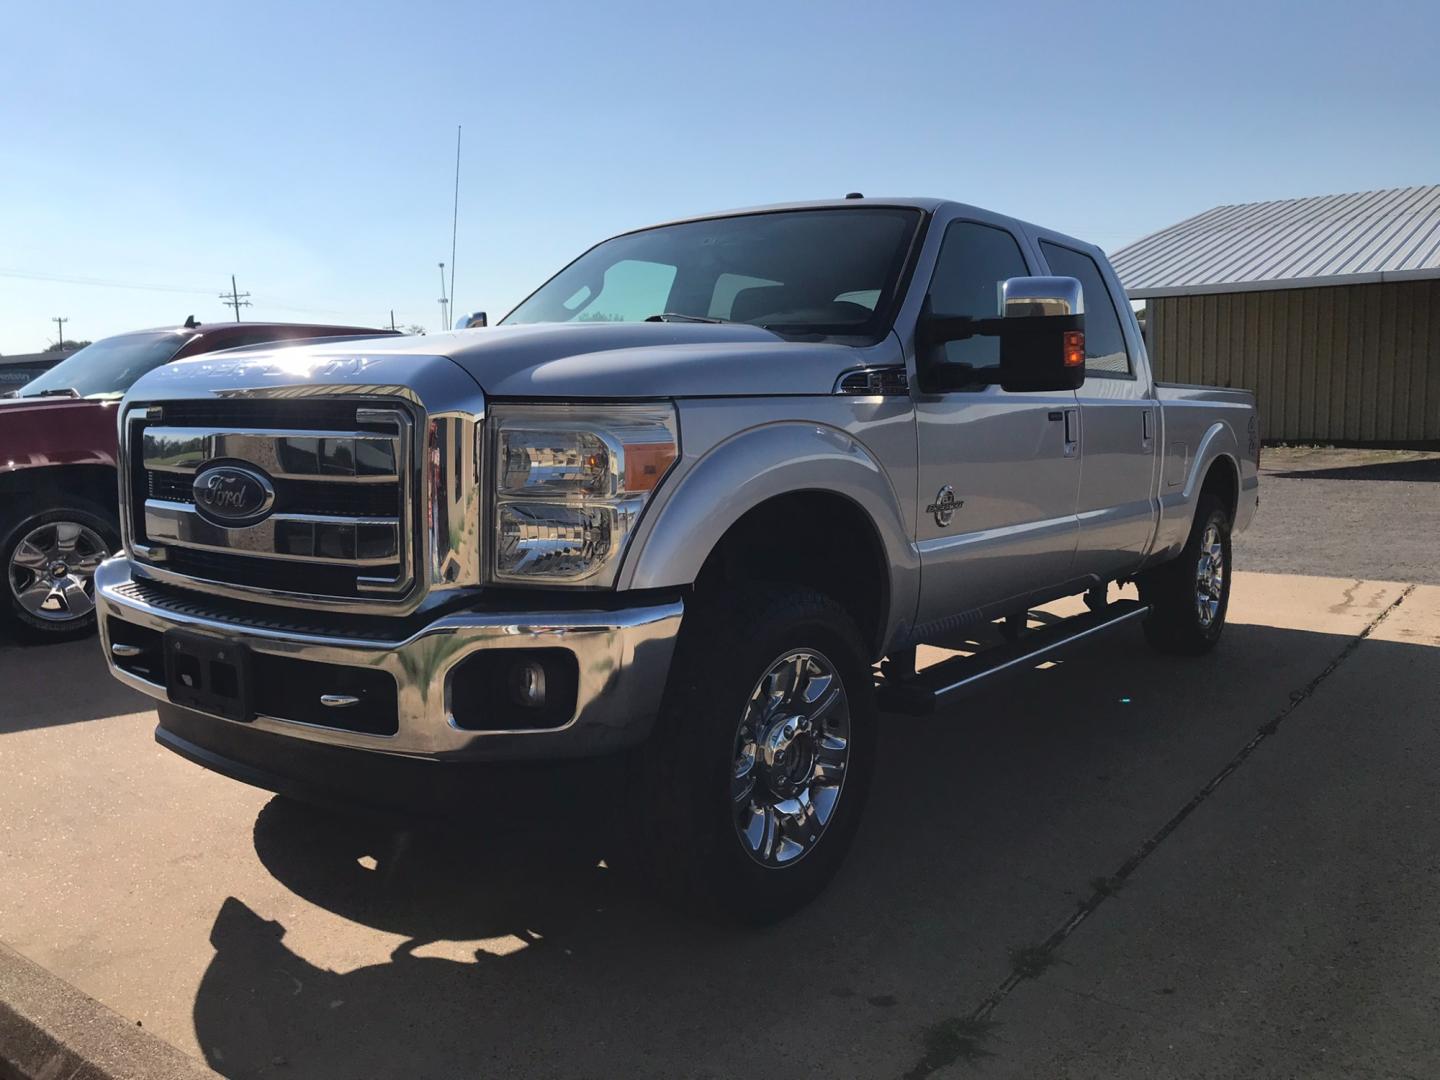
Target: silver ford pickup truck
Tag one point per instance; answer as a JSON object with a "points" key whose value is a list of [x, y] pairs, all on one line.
{"points": [[687, 510]]}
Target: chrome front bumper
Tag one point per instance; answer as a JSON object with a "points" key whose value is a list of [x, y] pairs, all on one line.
{"points": [[623, 659]]}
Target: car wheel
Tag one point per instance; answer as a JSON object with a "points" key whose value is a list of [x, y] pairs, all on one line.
{"points": [[753, 784], [1189, 596], [49, 559]]}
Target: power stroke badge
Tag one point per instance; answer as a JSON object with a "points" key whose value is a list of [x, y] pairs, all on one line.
{"points": [[944, 506]]}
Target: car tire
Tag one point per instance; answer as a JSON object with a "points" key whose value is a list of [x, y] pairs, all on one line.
{"points": [[1190, 595], [752, 786], [42, 603]]}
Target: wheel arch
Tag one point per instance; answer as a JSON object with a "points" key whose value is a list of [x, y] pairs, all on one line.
{"points": [[34, 487], [1222, 479], [1216, 455], [805, 500]]}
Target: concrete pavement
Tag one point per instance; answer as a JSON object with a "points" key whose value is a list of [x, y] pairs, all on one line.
{"points": [[1286, 927], [265, 939]]}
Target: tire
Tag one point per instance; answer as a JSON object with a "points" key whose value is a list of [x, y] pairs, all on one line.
{"points": [[752, 672], [1181, 620], [42, 604]]}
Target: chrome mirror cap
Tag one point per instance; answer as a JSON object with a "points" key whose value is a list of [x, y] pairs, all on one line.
{"points": [[1021, 296], [471, 321]]}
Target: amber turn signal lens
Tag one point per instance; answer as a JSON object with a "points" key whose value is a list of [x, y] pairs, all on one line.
{"points": [[1074, 348], [646, 463]]}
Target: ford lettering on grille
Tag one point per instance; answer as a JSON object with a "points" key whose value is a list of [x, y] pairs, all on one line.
{"points": [[231, 495]]}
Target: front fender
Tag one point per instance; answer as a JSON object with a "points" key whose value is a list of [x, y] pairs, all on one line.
{"points": [[760, 463]]}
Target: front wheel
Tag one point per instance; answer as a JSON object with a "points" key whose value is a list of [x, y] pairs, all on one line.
{"points": [[753, 785], [50, 558], [1189, 597]]}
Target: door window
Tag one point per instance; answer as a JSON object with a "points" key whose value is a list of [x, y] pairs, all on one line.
{"points": [[974, 260], [1105, 352]]}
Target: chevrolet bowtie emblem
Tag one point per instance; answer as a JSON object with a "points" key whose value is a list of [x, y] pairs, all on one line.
{"points": [[944, 506]]}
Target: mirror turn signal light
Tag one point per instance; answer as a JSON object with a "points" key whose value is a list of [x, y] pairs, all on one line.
{"points": [[1074, 348]]}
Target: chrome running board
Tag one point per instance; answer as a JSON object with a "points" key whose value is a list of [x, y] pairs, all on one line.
{"points": [[952, 679]]}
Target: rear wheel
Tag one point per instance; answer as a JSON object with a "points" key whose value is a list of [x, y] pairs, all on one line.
{"points": [[50, 558], [1189, 596], [752, 788]]}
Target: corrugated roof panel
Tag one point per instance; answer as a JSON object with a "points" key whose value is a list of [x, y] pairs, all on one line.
{"points": [[1288, 243]]}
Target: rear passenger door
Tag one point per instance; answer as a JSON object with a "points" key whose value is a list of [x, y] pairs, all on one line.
{"points": [[1118, 427]]}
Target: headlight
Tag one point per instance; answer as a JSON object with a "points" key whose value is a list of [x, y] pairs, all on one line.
{"points": [[569, 485]]}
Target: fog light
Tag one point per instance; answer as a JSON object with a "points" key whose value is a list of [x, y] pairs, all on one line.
{"points": [[527, 684], [514, 690]]}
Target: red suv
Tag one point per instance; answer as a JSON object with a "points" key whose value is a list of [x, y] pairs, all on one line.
{"points": [[58, 487]]}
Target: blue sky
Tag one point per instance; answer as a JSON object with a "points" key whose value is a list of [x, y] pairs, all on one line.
{"points": [[308, 148]]}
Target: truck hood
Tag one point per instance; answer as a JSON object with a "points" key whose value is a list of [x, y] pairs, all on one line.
{"points": [[14, 406], [56, 431], [604, 360]]}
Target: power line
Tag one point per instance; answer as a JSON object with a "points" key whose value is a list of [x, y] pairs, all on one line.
{"points": [[68, 279], [236, 299], [108, 283]]}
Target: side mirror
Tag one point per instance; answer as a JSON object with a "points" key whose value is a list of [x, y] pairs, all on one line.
{"points": [[1042, 338], [474, 319], [1042, 334]]}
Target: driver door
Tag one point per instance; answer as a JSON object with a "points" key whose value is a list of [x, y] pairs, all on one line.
{"points": [[999, 471]]}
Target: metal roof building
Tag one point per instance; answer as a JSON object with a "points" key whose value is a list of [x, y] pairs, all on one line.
{"points": [[1327, 307]]}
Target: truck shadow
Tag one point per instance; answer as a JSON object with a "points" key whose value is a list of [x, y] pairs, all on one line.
{"points": [[523, 954], [1421, 470]]}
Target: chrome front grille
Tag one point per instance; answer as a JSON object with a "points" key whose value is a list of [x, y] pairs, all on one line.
{"points": [[337, 521]]}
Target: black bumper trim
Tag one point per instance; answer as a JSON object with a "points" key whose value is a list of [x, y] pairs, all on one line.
{"points": [[388, 786]]}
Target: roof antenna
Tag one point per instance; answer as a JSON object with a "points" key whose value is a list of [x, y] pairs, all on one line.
{"points": [[454, 225], [190, 323], [854, 195]]}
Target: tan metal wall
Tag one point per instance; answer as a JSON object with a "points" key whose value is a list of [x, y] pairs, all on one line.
{"points": [[1343, 363]]}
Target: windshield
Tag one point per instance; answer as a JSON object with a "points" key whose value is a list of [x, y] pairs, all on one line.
{"points": [[827, 272], [107, 368]]}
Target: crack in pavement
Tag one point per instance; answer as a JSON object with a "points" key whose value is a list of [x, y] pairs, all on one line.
{"points": [[966, 1033], [1351, 1068]]}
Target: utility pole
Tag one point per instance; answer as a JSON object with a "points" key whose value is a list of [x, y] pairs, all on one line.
{"points": [[60, 341], [392, 318], [444, 302], [235, 298]]}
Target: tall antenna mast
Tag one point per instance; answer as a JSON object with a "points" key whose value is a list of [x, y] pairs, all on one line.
{"points": [[454, 218], [444, 303]]}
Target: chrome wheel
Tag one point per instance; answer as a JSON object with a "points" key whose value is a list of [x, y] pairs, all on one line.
{"points": [[52, 570], [791, 751], [1210, 575]]}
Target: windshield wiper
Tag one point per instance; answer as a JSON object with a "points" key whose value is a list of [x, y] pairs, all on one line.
{"points": [[675, 316], [59, 391]]}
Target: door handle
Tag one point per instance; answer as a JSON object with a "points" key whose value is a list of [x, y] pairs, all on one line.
{"points": [[1072, 432], [1147, 425]]}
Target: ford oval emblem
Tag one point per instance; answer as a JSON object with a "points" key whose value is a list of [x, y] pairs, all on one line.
{"points": [[232, 495]]}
